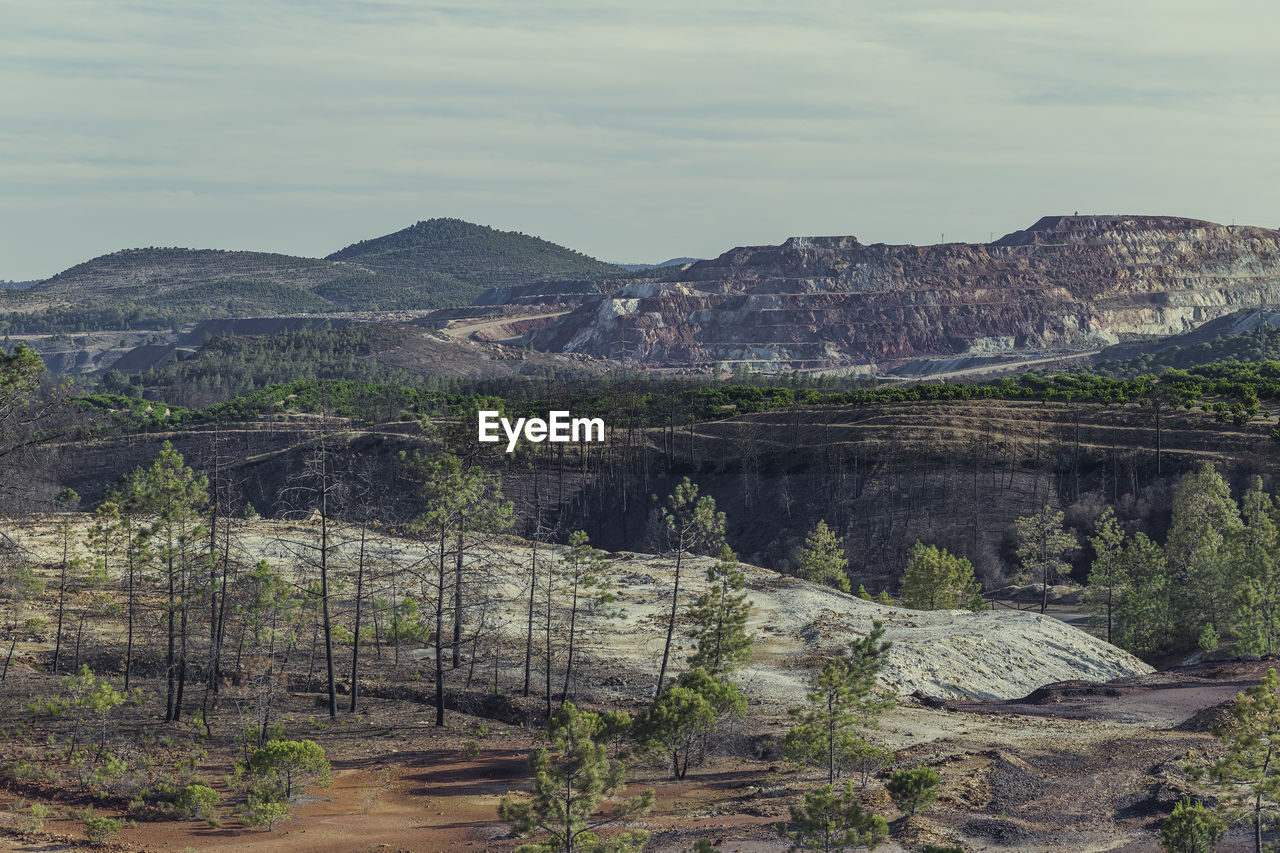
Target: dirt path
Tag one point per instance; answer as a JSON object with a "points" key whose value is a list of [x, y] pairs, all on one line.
{"points": [[1002, 367], [465, 331]]}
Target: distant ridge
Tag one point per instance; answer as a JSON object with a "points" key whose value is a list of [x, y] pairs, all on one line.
{"points": [[671, 262], [1066, 284], [437, 263], [468, 259]]}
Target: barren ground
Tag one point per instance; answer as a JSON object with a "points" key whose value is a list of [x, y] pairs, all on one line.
{"points": [[1078, 766]]}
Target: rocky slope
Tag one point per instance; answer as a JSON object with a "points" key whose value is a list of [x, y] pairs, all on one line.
{"points": [[1068, 283], [1000, 654]]}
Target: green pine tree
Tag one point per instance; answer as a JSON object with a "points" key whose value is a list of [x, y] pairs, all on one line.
{"points": [[822, 559], [842, 699], [1143, 610], [1107, 579], [1042, 542], [936, 579], [689, 524], [1192, 828], [1253, 549], [719, 617], [576, 793], [912, 791], [1248, 775], [833, 822], [1204, 522]]}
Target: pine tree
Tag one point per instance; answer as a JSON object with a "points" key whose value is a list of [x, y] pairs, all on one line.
{"points": [[690, 524], [1204, 521], [719, 617], [1257, 582], [936, 579], [1143, 615], [570, 791], [1042, 542], [822, 559], [586, 572], [686, 714], [1249, 773], [912, 791], [833, 822], [1107, 579], [1191, 828], [460, 501], [173, 498], [842, 699]]}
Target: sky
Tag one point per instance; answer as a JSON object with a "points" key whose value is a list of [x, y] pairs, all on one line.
{"points": [[634, 131]]}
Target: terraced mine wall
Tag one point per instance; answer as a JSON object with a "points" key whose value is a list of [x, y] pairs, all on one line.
{"points": [[955, 474]]}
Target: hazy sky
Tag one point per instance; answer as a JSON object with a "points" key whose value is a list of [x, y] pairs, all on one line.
{"points": [[631, 131]]}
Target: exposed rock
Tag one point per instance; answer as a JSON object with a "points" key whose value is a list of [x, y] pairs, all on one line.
{"points": [[1068, 283]]}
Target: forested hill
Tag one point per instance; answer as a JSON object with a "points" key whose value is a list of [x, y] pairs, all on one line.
{"points": [[439, 263], [474, 257]]}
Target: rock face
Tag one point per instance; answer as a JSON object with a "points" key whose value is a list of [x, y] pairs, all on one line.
{"points": [[1068, 283]]}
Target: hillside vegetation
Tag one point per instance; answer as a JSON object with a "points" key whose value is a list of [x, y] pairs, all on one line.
{"points": [[471, 257], [434, 264]]}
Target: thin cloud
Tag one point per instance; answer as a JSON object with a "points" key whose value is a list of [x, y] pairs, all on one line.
{"points": [[628, 131]]}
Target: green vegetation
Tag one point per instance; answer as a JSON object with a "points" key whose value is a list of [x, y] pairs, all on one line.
{"points": [[833, 822], [576, 793], [825, 733], [1192, 828], [684, 714], [197, 801], [98, 829], [1258, 345], [914, 790], [936, 579], [459, 259], [719, 617], [283, 765], [231, 366], [690, 525], [1042, 546], [822, 559], [1246, 776], [435, 264]]}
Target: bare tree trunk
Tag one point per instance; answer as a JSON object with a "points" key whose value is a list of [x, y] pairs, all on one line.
{"points": [[440, 588], [324, 586], [671, 623], [533, 588], [355, 634], [457, 604], [62, 596]]}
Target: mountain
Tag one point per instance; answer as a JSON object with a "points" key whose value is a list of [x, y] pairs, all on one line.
{"points": [[1066, 284], [435, 264], [462, 260], [670, 262], [202, 277]]}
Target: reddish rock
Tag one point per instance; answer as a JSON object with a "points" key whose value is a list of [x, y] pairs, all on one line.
{"points": [[1068, 283]]}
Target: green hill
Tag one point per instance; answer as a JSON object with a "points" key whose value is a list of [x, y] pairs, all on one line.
{"points": [[439, 263], [462, 259]]}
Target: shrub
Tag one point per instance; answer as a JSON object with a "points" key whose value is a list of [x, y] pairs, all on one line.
{"points": [[285, 764], [264, 813], [33, 820], [99, 829], [1191, 828], [913, 790], [196, 801]]}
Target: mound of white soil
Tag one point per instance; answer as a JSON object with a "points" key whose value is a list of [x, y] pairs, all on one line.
{"points": [[1001, 654]]}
